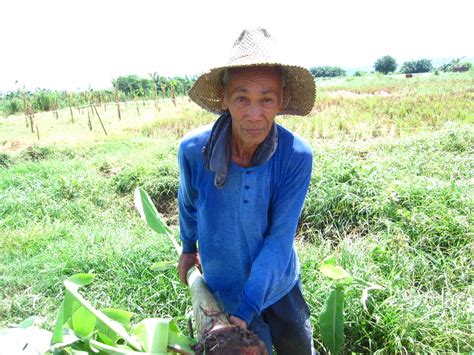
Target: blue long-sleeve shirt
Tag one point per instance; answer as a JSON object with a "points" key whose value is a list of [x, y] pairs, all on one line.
{"points": [[245, 230]]}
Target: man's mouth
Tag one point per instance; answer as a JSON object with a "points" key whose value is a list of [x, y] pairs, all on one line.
{"points": [[254, 130]]}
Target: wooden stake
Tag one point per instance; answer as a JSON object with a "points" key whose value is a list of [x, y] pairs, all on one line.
{"points": [[116, 93], [97, 113], [163, 90], [118, 110], [30, 116], [89, 122], [173, 95], [70, 108]]}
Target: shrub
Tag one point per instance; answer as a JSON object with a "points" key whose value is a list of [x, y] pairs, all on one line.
{"points": [[44, 100], [36, 153], [12, 106], [416, 66], [455, 65], [161, 182], [5, 160], [359, 73], [462, 67], [327, 72]]}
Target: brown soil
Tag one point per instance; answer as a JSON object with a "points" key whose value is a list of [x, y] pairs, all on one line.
{"points": [[231, 341]]}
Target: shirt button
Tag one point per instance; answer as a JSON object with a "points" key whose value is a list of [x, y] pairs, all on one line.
{"points": [[246, 201], [246, 187]]}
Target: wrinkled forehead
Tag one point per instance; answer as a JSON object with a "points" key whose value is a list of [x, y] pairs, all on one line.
{"points": [[269, 75]]}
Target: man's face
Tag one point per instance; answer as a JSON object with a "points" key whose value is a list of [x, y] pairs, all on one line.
{"points": [[254, 97]]}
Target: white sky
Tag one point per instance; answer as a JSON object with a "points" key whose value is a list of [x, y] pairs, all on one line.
{"points": [[71, 44]]}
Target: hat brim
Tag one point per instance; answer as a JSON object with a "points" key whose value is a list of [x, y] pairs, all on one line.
{"points": [[301, 89]]}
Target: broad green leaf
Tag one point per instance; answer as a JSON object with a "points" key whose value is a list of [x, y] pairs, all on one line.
{"points": [[104, 337], [163, 265], [105, 334], [83, 322], [28, 322], [180, 342], [331, 321], [69, 339], [119, 315], [78, 280], [153, 334], [73, 301], [150, 215], [330, 260], [112, 350], [114, 326], [68, 307], [335, 272]]}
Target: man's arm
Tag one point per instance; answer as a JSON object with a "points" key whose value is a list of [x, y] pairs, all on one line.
{"points": [[275, 254], [187, 218]]}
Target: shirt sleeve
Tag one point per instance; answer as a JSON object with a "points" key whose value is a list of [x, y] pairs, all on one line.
{"points": [[274, 257], [186, 204]]}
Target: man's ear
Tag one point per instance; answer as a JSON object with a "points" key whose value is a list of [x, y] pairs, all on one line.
{"points": [[223, 103]]}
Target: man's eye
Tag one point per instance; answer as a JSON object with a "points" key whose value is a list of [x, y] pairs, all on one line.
{"points": [[241, 99], [267, 100]]}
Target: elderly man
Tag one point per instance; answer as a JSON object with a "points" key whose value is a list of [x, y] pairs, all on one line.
{"points": [[242, 185]]}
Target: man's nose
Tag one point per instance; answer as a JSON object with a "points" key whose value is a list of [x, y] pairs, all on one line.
{"points": [[254, 112]]}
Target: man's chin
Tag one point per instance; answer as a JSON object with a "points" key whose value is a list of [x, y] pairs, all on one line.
{"points": [[255, 137]]}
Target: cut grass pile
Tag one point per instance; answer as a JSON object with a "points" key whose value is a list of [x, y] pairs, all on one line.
{"points": [[396, 210]]}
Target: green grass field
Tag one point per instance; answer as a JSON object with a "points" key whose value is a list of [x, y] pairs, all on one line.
{"points": [[391, 198]]}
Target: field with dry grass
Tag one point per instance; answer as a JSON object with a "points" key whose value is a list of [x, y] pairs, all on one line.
{"points": [[391, 199]]}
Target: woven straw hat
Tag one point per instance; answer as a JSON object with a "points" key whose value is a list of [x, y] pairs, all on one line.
{"points": [[255, 47]]}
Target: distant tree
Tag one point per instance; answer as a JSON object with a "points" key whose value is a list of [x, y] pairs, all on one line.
{"points": [[327, 71], [133, 84], [416, 66], [385, 64]]}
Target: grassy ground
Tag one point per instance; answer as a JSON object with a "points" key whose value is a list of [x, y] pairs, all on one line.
{"points": [[391, 197]]}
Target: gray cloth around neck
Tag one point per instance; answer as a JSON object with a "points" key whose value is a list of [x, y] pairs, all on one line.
{"points": [[218, 149]]}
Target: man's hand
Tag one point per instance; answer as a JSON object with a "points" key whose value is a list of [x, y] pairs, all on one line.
{"points": [[238, 322], [186, 262]]}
